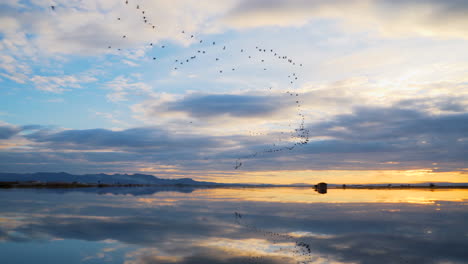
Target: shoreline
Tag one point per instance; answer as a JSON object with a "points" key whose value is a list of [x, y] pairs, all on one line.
{"points": [[57, 185]]}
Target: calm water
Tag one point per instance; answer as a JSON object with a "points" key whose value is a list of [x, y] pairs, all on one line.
{"points": [[278, 225]]}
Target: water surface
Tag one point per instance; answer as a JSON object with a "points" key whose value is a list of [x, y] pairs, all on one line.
{"points": [[233, 225]]}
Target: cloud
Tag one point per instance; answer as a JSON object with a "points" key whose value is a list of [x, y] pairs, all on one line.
{"points": [[345, 231], [370, 123], [446, 104], [392, 18], [22, 54], [13, 68], [136, 138], [89, 27], [385, 137], [34, 36], [7, 131], [122, 87], [368, 138], [58, 84], [219, 114], [240, 106]]}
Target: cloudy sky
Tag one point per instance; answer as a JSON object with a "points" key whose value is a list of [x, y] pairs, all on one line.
{"points": [[377, 88]]}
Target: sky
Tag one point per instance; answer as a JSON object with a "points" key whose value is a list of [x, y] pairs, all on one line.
{"points": [[277, 91]]}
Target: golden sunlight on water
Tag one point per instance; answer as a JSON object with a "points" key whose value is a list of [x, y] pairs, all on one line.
{"points": [[234, 225], [308, 195]]}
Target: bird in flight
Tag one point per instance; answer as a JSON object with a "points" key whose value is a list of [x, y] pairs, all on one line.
{"points": [[302, 134]]}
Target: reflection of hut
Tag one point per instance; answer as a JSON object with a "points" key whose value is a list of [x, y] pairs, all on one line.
{"points": [[321, 187]]}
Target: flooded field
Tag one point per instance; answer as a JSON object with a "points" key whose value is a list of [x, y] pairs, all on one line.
{"points": [[233, 225]]}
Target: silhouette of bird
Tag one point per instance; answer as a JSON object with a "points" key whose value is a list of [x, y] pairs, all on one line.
{"points": [[238, 165], [299, 135]]}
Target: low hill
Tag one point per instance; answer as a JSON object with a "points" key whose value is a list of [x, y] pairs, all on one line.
{"points": [[63, 177]]}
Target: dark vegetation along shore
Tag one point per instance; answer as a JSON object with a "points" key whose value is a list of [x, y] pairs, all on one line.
{"points": [[65, 180], [17, 184]]}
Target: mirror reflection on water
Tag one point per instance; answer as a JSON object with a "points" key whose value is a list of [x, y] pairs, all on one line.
{"points": [[233, 225]]}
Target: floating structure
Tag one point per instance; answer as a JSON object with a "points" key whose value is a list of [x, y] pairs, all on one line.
{"points": [[321, 188]]}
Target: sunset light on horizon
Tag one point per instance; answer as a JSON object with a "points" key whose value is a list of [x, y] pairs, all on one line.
{"points": [[236, 91]]}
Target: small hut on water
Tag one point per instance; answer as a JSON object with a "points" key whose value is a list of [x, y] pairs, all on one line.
{"points": [[321, 188]]}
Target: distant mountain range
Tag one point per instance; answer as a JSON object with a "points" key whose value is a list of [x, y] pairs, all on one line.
{"points": [[63, 177], [145, 179]]}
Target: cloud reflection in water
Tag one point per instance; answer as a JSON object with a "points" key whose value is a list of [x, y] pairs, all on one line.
{"points": [[198, 226]]}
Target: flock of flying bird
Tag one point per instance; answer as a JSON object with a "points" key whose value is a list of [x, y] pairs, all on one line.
{"points": [[296, 137], [301, 251]]}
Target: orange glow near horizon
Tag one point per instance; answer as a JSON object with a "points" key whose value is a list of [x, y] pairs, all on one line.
{"points": [[308, 195], [339, 177]]}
